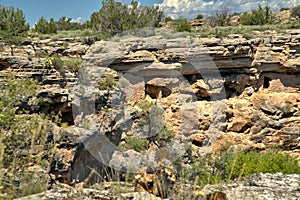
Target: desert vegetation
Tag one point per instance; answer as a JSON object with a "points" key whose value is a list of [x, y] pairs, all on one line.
{"points": [[226, 166], [182, 25], [23, 141], [260, 16]]}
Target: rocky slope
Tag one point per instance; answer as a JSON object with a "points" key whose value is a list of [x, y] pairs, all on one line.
{"points": [[260, 186], [212, 94]]}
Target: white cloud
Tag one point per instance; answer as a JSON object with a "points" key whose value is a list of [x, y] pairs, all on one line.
{"points": [[78, 20], [191, 8]]}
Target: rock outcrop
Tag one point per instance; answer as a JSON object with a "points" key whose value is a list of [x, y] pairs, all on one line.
{"points": [[257, 186], [89, 194]]}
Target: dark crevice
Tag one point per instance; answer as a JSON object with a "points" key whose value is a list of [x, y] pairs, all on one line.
{"points": [[266, 83], [146, 49], [67, 117], [165, 92], [155, 91]]}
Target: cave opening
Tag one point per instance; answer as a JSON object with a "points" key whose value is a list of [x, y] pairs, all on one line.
{"points": [[62, 118], [165, 92], [67, 117], [155, 91], [267, 81]]}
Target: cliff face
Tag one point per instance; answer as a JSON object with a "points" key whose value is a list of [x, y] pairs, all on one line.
{"points": [[206, 92], [232, 86]]}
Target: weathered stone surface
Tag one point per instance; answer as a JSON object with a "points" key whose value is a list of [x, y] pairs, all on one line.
{"points": [[76, 50], [128, 161], [242, 116], [260, 186], [257, 186], [89, 194], [201, 89]]}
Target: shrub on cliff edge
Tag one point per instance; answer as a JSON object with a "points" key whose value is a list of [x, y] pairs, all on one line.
{"points": [[296, 11], [182, 25], [22, 140], [260, 16], [229, 166], [45, 27]]}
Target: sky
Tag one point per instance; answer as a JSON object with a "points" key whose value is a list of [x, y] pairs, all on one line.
{"points": [[191, 8], [80, 10]]}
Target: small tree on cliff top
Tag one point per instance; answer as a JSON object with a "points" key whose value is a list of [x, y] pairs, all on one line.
{"points": [[296, 11], [12, 23], [260, 16], [65, 23], [13, 26], [45, 27]]}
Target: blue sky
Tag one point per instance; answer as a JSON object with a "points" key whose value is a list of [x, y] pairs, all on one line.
{"points": [[76, 9]]}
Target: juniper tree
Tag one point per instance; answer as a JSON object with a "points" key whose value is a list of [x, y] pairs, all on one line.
{"points": [[45, 27], [13, 26], [115, 17]]}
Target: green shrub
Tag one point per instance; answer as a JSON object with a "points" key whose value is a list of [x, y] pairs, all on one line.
{"points": [[136, 143], [66, 34], [33, 184], [22, 139], [91, 36], [13, 26], [115, 17], [100, 35], [73, 64], [218, 33], [41, 54], [230, 166], [166, 135], [55, 37], [183, 25], [54, 62], [296, 11], [23, 148], [259, 16], [108, 83], [12, 93], [244, 164], [200, 16], [296, 25], [203, 174], [86, 32], [145, 105], [44, 36], [65, 23], [66, 44], [152, 116], [145, 117], [45, 27], [168, 19]]}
